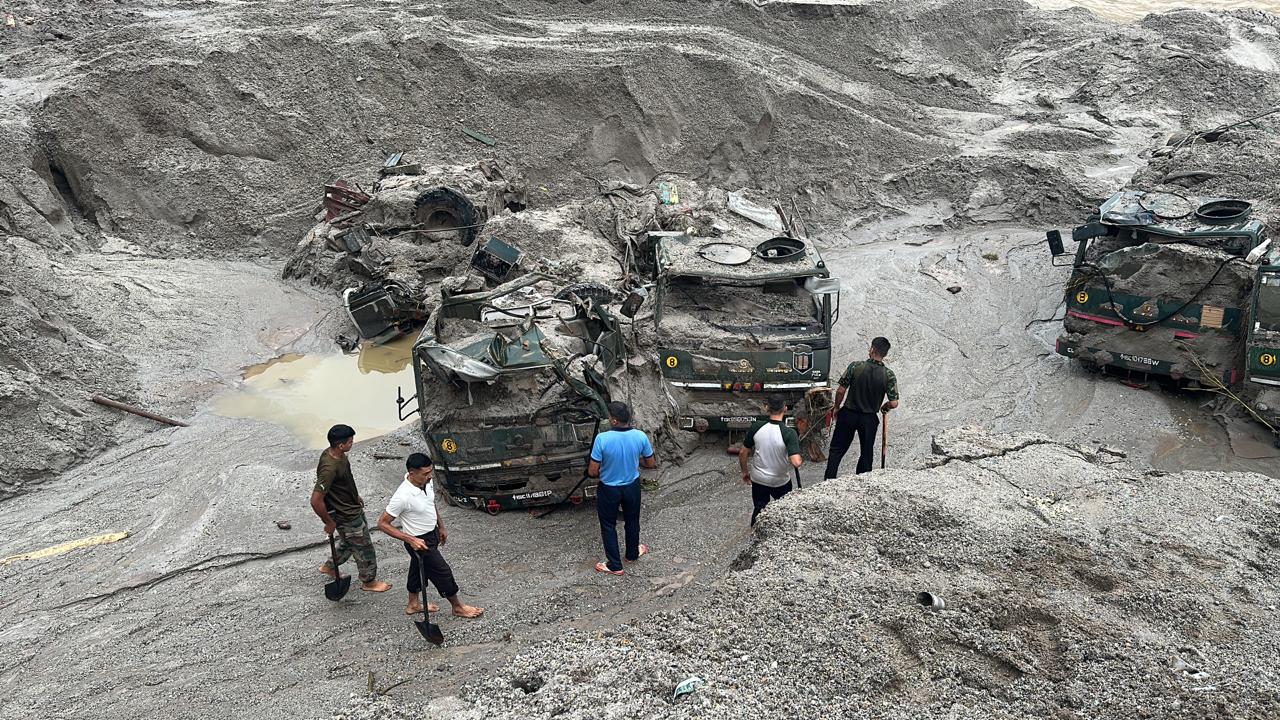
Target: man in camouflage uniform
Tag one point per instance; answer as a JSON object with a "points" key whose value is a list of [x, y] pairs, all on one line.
{"points": [[863, 387], [337, 503]]}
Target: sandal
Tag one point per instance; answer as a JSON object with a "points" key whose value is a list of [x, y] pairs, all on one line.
{"points": [[601, 567], [644, 550]]}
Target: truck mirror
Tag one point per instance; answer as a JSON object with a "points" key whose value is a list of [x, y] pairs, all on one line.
{"points": [[1054, 238]]}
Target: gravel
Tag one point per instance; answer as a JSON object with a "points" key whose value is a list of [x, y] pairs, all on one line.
{"points": [[1075, 585]]}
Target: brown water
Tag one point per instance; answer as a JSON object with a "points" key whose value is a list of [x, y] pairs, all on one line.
{"points": [[1128, 10], [307, 394]]}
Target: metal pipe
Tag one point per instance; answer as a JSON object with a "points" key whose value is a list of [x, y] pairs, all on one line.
{"points": [[108, 402], [931, 601]]}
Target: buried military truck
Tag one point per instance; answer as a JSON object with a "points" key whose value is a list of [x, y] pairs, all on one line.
{"points": [[739, 317], [511, 391], [1177, 287]]}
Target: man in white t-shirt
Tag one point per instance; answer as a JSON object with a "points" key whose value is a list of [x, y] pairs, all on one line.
{"points": [[422, 532], [770, 455]]}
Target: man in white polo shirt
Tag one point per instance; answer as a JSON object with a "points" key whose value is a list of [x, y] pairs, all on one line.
{"points": [[769, 456], [422, 532]]}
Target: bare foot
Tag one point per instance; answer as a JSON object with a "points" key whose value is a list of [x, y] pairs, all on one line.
{"points": [[467, 611], [326, 570], [375, 586], [415, 608]]}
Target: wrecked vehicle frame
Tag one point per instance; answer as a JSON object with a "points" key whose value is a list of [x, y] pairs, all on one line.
{"points": [[514, 426]]}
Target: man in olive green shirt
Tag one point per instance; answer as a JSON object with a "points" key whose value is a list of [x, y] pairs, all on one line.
{"points": [[337, 503], [864, 388]]}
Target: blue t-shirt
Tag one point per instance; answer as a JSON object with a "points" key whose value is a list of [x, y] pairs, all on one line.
{"points": [[619, 453]]}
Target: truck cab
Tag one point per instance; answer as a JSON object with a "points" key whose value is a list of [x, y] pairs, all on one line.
{"points": [[1161, 285], [740, 317], [511, 392]]}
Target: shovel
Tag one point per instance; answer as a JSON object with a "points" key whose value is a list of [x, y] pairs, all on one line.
{"points": [[884, 438], [429, 630], [338, 587]]}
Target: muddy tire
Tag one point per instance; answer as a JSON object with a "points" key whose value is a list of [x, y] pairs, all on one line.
{"points": [[598, 293], [443, 210], [443, 492]]}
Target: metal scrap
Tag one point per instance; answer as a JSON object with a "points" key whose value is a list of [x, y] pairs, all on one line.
{"points": [[762, 216], [341, 198], [479, 136]]}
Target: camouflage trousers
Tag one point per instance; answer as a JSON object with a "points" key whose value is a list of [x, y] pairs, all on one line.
{"points": [[354, 540]]}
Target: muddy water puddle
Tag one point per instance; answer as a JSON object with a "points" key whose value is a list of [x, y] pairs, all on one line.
{"points": [[306, 394]]}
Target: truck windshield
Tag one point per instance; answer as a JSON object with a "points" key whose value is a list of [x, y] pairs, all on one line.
{"points": [[704, 308], [1269, 303]]}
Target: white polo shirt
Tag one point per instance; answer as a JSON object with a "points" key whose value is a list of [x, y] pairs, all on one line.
{"points": [[414, 507]]}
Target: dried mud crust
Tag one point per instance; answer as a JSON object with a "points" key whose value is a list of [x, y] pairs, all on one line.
{"points": [[714, 314], [1074, 584], [1175, 270]]}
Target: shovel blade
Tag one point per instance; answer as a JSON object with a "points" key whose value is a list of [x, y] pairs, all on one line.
{"points": [[430, 631], [338, 588]]}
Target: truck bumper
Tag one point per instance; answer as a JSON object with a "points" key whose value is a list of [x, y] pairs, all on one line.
{"points": [[515, 487], [722, 423], [1106, 358]]}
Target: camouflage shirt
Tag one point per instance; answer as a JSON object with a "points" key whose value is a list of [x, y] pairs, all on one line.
{"points": [[867, 383], [335, 482]]}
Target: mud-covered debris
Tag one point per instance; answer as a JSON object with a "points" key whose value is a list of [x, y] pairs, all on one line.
{"points": [[688, 686]]}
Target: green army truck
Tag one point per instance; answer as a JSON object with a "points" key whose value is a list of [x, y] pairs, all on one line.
{"points": [[1177, 287], [739, 317], [511, 392]]}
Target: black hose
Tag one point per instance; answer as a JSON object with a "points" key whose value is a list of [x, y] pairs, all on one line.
{"points": [[1106, 281]]}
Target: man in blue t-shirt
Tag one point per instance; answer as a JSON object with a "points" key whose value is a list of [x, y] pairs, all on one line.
{"points": [[616, 458]]}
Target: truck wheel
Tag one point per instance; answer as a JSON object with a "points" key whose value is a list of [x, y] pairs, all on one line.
{"points": [[598, 293], [445, 211], [443, 491]]}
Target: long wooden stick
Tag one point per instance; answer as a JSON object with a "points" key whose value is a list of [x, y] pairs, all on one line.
{"points": [[884, 439], [137, 411]]}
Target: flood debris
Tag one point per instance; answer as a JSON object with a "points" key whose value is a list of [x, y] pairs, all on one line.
{"points": [[688, 686], [383, 310], [930, 601], [479, 136], [66, 547], [523, 321], [135, 410]]}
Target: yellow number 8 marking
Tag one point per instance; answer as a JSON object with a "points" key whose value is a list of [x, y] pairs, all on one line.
{"points": [[1082, 297], [449, 446], [672, 361], [1267, 359]]}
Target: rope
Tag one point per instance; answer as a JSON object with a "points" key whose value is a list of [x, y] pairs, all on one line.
{"points": [[1220, 388]]}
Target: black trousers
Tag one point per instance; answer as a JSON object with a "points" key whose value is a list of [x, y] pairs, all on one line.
{"points": [[436, 567], [848, 423], [608, 498], [762, 494]]}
